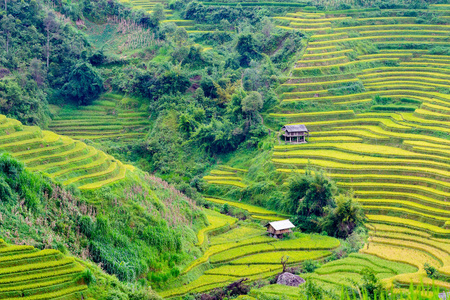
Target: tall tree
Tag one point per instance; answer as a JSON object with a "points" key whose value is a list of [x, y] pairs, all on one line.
{"points": [[36, 71], [247, 48], [7, 24], [84, 84], [252, 104], [51, 27], [158, 12], [342, 220], [315, 192]]}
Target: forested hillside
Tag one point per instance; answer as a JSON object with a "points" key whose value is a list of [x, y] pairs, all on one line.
{"points": [[142, 152]]}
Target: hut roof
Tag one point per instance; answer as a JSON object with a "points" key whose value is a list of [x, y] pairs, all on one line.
{"points": [[295, 128], [281, 225]]}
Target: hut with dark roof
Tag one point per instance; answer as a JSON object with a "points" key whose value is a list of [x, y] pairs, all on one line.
{"points": [[295, 133]]}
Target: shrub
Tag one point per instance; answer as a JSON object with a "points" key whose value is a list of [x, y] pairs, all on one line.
{"points": [[6, 193], [88, 277], [432, 272], [86, 225], [309, 266]]}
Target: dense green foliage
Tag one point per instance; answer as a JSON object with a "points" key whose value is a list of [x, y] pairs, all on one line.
{"points": [[45, 59], [317, 207]]}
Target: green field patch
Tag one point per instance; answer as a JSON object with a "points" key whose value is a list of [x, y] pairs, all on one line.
{"points": [[422, 190], [220, 172], [228, 182], [239, 233], [98, 183], [303, 243], [248, 207], [298, 156], [211, 178], [276, 290], [342, 139], [401, 136], [357, 148], [203, 280], [214, 249], [274, 257], [79, 150], [408, 204], [61, 165], [268, 218], [407, 196], [343, 132], [101, 160], [442, 246], [216, 221], [411, 224], [243, 270], [424, 113], [27, 273], [421, 180], [407, 213]]}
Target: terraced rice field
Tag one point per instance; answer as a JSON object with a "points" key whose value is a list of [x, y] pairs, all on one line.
{"points": [[227, 176], [62, 158], [191, 27], [334, 274], [146, 5], [256, 212], [396, 160], [245, 251], [26, 273], [105, 119]]}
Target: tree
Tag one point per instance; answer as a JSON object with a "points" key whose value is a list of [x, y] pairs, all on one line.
{"points": [[180, 36], [51, 28], [313, 193], [298, 185], [37, 72], [84, 84], [252, 103], [158, 12], [370, 284], [344, 218], [247, 48], [7, 24]]}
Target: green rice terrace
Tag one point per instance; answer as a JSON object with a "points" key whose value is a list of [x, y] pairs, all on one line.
{"points": [[62, 158], [27, 273], [112, 117]]}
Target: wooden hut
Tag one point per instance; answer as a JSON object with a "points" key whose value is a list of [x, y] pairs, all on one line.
{"points": [[278, 228], [295, 133]]}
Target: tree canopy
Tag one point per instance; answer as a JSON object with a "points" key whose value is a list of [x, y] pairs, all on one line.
{"points": [[84, 85]]}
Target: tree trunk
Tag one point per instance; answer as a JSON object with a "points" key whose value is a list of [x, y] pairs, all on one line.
{"points": [[7, 42], [6, 7], [48, 48]]}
